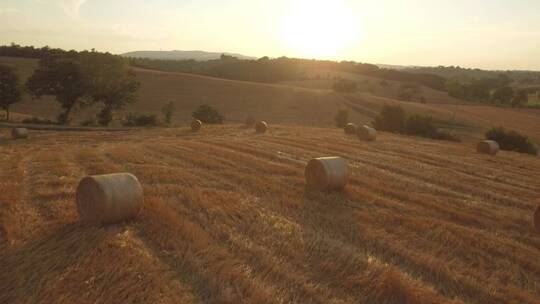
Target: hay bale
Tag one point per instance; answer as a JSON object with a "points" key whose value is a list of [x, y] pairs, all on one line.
{"points": [[110, 198], [490, 147], [327, 173], [536, 219], [350, 129], [261, 127], [19, 133], [367, 133], [196, 125]]}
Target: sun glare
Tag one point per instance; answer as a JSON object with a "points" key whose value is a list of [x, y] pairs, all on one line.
{"points": [[318, 28]]}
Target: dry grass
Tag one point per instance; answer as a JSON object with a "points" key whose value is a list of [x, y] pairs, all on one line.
{"points": [[227, 219]]}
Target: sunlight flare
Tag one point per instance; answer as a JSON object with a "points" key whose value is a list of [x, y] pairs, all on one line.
{"points": [[319, 28]]}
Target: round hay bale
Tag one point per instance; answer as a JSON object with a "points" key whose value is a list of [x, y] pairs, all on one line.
{"points": [[196, 125], [261, 127], [327, 173], [536, 219], [19, 133], [350, 129], [490, 147], [367, 133], [110, 198]]}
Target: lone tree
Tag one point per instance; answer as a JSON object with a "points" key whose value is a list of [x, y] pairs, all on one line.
{"points": [[109, 81], [10, 90], [80, 79], [168, 111], [61, 77]]}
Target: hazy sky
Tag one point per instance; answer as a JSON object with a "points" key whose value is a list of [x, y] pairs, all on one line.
{"points": [[494, 34]]}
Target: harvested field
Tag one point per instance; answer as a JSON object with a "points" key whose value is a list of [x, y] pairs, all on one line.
{"points": [[227, 219]]}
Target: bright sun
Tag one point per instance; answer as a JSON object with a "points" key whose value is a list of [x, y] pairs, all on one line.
{"points": [[319, 28]]}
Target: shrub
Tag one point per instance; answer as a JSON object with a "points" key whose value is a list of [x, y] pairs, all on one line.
{"points": [[344, 86], [168, 111], [394, 119], [512, 141], [391, 119], [342, 118], [133, 120], [208, 114], [420, 125]]}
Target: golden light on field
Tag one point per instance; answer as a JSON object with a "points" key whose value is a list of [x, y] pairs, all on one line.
{"points": [[318, 28]]}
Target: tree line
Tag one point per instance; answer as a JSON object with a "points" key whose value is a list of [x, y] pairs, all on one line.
{"points": [[75, 79], [495, 90], [271, 70]]}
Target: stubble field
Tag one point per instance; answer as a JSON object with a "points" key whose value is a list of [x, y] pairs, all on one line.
{"points": [[227, 219]]}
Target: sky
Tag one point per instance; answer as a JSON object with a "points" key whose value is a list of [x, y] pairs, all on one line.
{"points": [[487, 34]]}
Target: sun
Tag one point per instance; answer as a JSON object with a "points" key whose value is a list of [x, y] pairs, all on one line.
{"points": [[318, 28]]}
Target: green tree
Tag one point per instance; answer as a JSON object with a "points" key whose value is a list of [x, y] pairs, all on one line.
{"points": [[10, 90], [61, 77], [168, 111], [109, 81], [342, 118]]}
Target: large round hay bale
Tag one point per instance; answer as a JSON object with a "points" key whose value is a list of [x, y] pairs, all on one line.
{"points": [[196, 125], [350, 129], [367, 133], [327, 173], [261, 127], [109, 198], [536, 219], [19, 133], [490, 147]]}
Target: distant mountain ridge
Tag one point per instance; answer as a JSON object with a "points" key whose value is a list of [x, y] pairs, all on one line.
{"points": [[182, 55]]}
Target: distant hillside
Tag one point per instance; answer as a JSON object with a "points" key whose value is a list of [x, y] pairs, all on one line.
{"points": [[182, 55], [456, 72]]}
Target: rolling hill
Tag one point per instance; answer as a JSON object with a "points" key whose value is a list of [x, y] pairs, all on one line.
{"points": [[182, 55], [309, 102], [227, 219]]}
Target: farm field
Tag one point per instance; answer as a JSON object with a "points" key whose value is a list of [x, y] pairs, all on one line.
{"points": [[227, 219], [308, 103]]}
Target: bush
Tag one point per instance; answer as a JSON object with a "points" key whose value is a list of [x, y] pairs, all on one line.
{"points": [[391, 119], [168, 111], [394, 119], [341, 118], [344, 86], [420, 125], [208, 115], [133, 120], [512, 141], [38, 121]]}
